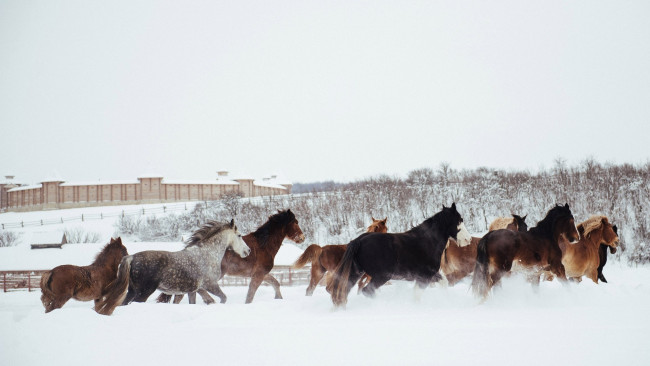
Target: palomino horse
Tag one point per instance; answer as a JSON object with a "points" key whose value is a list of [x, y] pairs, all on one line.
{"points": [[82, 283], [582, 258], [458, 262], [198, 266], [535, 250], [602, 253], [325, 259], [264, 243], [413, 255]]}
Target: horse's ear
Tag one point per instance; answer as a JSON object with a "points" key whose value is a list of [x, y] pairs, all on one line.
{"points": [[372, 218], [384, 220], [118, 240], [566, 205], [232, 223], [453, 206], [443, 207], [524, 218], [289, 211]]}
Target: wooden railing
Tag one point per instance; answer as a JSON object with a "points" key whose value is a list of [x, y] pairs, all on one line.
{"points": [[30, 280]]}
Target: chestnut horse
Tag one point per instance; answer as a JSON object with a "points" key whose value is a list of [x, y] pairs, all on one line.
{"points": [[534, 251], [325, 259], [583, 258], [413, 255], [82, 283], [458, 262], [264, 244]]}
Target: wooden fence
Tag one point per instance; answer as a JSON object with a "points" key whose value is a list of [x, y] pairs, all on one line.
{"points": [[30, 280]]}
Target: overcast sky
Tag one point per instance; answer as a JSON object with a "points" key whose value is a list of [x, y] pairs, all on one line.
{"points": [[317, 90]]}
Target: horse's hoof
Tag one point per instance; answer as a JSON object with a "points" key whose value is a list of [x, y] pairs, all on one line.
{"points": [[279, 297]]}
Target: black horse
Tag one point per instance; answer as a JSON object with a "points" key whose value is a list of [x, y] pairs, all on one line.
{"points": [[602, 254], [413, 255]]}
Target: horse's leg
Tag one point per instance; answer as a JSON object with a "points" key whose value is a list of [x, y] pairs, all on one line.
{"points": [[256, 281], [375, 282], [164, 298], [276, 285], [179, 298], [317, 273], [593, 274], [205, 296], [213, 287], [191, 297]]}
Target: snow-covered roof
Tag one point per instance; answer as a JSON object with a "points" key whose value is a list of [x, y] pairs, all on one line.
{"points": [[99, 183], [47, 237], [268, 183], [189, 181], [24, 188]]}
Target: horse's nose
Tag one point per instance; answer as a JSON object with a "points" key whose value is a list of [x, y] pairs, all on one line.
{"points": [[301, 238]]}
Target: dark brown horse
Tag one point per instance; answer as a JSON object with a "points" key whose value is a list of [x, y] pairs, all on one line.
{"points": [[458, 262], [264, 244], [583, 258], [325, 259], [533, 251], [82, 283]]}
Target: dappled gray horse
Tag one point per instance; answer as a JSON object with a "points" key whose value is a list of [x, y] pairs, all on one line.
{"points": [[197, 267]]}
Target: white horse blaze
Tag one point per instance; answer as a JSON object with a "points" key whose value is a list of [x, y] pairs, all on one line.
{"points": [[463, 236]]}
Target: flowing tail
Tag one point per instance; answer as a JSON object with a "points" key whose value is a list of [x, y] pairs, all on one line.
{"points": [[480, 284], [116, 290], [47, 295], [309, 255], [340, 284]]}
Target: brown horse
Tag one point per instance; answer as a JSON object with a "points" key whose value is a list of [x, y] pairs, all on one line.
{"points": [[82, 283], [264, 244], [582, 258], [532, 251], [325, 259], [458, 262]]}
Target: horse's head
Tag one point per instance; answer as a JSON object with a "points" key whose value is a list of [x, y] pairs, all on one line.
{"points": [[120, 247], [378, 226], [565, 224], [521, 223], [293, 231], [235, 241], [610, 235], [456, 228]]}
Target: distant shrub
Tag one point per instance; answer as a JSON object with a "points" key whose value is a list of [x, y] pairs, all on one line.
{"points": [[8, 238], [81, 236]]}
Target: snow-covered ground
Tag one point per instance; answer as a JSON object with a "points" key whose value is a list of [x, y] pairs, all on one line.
{"points": [[580, 324]]}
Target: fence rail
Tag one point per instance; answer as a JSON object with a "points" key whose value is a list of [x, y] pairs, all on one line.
{"points": [[30, 280]]}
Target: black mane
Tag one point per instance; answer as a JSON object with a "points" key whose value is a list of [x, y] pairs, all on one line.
{"points": [[545, 226], [280, 219]]}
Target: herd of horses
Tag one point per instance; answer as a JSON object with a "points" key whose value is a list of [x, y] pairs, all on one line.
{"points": [[439, 248]]}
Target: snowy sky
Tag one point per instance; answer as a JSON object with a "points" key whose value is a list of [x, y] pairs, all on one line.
{"points": [[316, 90]]}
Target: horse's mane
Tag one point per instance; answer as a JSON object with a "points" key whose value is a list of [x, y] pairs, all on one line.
{"points": [[102, 257], [501, 223], [206, 232], [280, 219], [546, 224], [443, 218], [592, 223]]}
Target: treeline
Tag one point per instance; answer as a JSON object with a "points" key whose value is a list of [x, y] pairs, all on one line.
{"points": [[337, 212]]}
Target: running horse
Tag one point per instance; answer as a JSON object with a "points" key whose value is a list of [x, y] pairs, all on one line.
{"points": [[82, 283], [413, 255], [264, 243], [602, 253], [197, 266], [583, 258], [325, 259], [533, 251], [458, 262]]}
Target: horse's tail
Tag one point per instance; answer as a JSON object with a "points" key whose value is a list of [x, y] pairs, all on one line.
{"points": [[480, 285], [340, 285], [116, 291], [309, 255]]}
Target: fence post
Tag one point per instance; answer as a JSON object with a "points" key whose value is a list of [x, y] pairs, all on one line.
{"points": [[41, 222], [290, 282], [29, 282], [4, 281]]}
